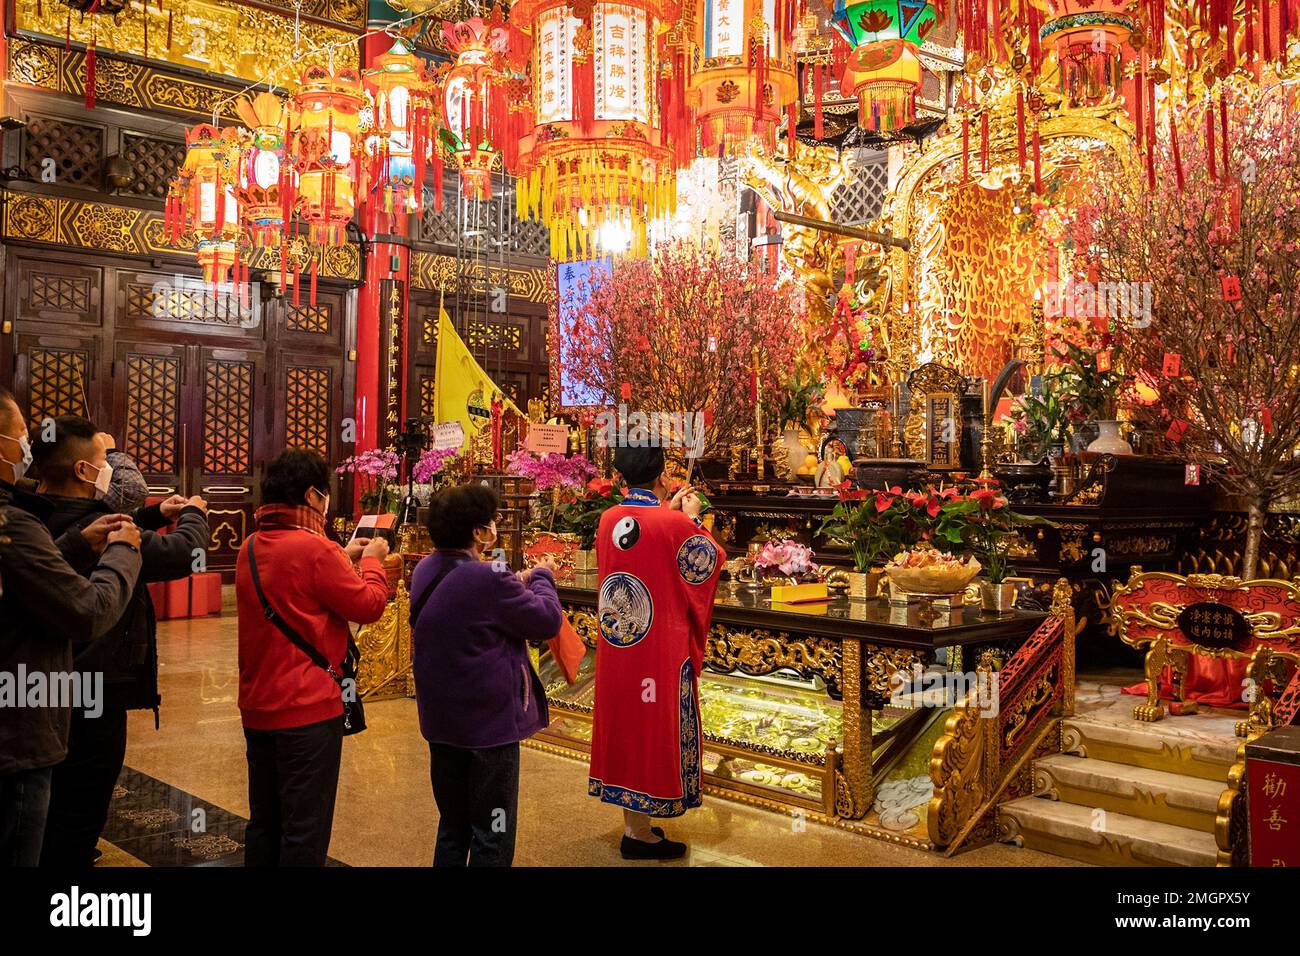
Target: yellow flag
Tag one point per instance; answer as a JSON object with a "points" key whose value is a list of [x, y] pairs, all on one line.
{"points": [[462, 391]]}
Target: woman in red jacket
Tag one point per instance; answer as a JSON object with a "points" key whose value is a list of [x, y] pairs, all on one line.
{"points": [[292, 709]]}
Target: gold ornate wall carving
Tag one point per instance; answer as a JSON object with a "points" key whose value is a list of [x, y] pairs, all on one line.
{"points": [[214, 36], [100, 227], [118, 82], [974, 261], [804, 186], [439, 273]]}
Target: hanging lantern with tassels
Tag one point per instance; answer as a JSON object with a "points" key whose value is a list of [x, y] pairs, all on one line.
{"points": [[324, 122], [596, 168], [883, 71], [203, 201], [398, 131], [266, 179], [1089, 36], [743, 81], [477, 113]]}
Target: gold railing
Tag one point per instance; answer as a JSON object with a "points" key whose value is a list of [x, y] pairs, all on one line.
{"points": [[980, 753]]}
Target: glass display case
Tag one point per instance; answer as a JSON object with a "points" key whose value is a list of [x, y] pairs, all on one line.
{"points": [[795, 702]]}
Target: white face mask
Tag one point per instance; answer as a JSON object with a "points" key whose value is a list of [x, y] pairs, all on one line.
{"points": [[102, 479], [25, 456], [325, 495]]}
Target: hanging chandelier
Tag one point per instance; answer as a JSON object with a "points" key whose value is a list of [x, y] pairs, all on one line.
{"points": [[743, 81], [883, 70], [595, 168]]}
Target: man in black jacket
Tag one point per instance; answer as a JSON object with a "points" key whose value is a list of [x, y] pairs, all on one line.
{"points": [[75, 477], [45, 606]]}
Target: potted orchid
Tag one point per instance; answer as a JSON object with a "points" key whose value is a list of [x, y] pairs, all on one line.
{"points": [[374, 470], [560, 481], [784, 558]]}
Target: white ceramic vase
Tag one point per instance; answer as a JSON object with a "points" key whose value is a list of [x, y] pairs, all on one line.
{"points": [[1109, 441]]}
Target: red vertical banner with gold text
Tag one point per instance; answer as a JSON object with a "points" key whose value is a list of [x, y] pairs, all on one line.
{"points": [[1273, 797], [392, 359]]}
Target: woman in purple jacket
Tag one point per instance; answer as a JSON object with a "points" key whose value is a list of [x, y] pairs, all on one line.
{"points": [[477, 691]]}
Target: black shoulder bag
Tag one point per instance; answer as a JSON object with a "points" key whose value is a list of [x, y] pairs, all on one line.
{"points": [[345, 675], [417, 606]]}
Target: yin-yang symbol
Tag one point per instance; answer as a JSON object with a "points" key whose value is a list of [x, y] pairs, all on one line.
{"points": [[626, 533]]}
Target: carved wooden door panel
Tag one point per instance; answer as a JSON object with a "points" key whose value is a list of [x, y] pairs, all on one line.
{"points": [[152, 398], [228, 448], [55, 375]]}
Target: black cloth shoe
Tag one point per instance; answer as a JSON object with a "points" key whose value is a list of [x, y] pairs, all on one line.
{"points": [[662, 850]]}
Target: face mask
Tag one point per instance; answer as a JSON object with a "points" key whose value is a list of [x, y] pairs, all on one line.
{"points": [[102, 479], [325, 510], [25, 456]]}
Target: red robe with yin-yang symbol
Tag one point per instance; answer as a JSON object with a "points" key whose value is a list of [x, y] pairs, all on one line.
{"points": [[658, 576]]}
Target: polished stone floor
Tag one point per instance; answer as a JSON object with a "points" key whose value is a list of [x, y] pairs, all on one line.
{"points": [[386, 815]]}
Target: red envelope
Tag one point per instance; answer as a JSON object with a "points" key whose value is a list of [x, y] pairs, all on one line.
{"points": [[567, 649]]}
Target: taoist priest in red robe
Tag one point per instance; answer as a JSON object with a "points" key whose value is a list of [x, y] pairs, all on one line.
{"points": [[659, 572]]}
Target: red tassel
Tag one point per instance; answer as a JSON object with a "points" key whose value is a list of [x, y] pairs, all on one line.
{"points": [[313, 280], [296, 273], [791, 126], [1266, 29], [146, 29], [1020, 129], [984, 141], [965, 148], [1178, 159], [818, 92], [1209, 140], [1151, 134], [169, 31], [67, 32], [284, 267], [1223, 124], [90, 74], [1139, 94], [1038, 181]]}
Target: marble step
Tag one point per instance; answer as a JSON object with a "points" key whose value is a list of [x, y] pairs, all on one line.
{"points": [[1117, 839], [1197, 745], [1156, 795]]}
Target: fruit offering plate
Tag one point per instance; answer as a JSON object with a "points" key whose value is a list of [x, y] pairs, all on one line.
{"points": [[930, 572]]}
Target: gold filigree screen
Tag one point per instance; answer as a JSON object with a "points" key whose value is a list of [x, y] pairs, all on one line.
{"points": [[975, 273], [978, 249]]}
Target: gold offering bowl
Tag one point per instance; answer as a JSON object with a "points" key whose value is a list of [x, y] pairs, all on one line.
{"points": [[936, 580]]}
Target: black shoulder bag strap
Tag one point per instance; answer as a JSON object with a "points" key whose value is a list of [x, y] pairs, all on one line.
{"points": [[316, 656], [418, 604]]}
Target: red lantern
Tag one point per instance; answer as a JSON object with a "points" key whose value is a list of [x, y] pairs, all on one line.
{"points": [[325, 144], [398, 124]]}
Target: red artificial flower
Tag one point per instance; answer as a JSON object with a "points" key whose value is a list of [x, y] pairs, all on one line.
{"points": [[989, 499]]}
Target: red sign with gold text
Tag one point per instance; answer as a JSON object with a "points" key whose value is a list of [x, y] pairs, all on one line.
{"points": [[1274, 803]]}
